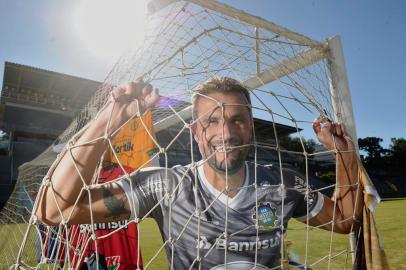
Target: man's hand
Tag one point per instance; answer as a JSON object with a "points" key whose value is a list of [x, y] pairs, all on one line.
{"points": [[332, 135], [127, 100]]}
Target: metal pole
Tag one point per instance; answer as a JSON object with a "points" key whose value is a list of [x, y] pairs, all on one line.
{"points": [[342, 104], [155, 5], [340, 91]]}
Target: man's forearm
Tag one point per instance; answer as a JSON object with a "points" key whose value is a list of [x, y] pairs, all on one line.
{"points": [[348, 192], [74, 170]]}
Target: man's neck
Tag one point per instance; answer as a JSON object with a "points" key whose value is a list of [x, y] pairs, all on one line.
{"points": [[220, 181]]}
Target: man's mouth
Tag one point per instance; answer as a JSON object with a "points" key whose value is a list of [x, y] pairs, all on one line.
{"points": [[232, 149], [225, 147]]}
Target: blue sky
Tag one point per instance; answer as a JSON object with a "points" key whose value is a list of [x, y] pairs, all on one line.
{"points": [[41, 33]]}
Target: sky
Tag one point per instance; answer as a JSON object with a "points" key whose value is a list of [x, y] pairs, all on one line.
{"points": [[51, 35]]}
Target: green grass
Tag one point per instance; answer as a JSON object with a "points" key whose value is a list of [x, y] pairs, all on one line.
{"points": [[151, 242], [391, 222], [11, 237], [318, 247], [389, 215]]}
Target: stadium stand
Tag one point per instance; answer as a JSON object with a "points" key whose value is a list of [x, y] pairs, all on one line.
{"points": [[36, 105]]}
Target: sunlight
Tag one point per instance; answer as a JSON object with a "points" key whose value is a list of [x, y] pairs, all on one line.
{"points": [[107, 28]]}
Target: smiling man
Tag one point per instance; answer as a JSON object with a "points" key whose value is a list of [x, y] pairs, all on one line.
{"points": [[223, 131], [219, 212]]}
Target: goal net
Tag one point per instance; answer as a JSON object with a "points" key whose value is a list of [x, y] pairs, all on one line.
{"points": [[292, 79]]}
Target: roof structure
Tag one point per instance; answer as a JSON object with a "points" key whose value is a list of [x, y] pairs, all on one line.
{"points": [[35, 100]]}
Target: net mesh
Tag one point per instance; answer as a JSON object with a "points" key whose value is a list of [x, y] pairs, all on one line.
{"points": [[185, 45]]}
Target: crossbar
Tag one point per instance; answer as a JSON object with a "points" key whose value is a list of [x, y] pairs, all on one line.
{"points": [[155, 5], [273, 73]]}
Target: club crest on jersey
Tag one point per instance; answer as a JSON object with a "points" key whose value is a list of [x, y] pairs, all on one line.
{"points": [[134, 125], [267, 218]]}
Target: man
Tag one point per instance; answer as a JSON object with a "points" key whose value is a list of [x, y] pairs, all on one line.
{"points": [[220, 211]]}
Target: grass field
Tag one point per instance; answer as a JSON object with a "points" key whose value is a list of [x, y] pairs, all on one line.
{"points": [[389, 215]]}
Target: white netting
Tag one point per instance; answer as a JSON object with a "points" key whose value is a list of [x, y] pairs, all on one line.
{"points": [[186, 44]]}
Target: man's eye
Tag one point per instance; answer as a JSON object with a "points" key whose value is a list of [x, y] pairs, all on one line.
{"points": [[212, 120], [238, 121]]}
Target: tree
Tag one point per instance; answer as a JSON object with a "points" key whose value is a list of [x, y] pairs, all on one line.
{"points": [[372, 146], [391, 160], [398, 149], [398, 145]]}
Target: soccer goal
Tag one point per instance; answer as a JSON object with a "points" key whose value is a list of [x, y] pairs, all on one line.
{"points": [[292, 80]]}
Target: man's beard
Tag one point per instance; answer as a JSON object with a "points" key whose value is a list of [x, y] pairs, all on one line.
{"points": [[223, 166]]}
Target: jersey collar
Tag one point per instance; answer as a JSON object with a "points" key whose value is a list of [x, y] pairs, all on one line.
{"points": [[231, 202]]}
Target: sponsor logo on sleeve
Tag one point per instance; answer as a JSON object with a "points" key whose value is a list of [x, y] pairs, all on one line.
{"points": [[104, 226]]}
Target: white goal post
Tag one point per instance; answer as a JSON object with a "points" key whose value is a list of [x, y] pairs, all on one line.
{"points": [[330, 49]]}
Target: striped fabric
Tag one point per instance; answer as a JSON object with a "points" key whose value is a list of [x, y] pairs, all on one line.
{"points": [[371, 255]]}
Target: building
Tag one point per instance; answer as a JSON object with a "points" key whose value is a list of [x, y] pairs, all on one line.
{"points": [[36, 105]]}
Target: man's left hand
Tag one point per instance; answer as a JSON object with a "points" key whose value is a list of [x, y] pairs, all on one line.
{"points": [[332, 135]]}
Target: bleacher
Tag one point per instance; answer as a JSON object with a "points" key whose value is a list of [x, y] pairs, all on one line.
{"points": [[36, 105]]}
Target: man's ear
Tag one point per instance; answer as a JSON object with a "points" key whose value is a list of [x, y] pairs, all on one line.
{"points": [[193, 128], [251, 129]]}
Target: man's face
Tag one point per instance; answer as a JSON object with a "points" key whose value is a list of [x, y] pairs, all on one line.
{"points": [[220, 131]]}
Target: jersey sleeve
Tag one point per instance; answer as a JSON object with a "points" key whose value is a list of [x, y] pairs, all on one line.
{"points": [[308, 203], [144, 190]]}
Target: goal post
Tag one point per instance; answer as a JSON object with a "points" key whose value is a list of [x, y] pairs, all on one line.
{"points": [[340, 90]]}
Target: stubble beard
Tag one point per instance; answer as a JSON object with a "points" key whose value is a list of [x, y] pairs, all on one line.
{"points": [[223, 166]]}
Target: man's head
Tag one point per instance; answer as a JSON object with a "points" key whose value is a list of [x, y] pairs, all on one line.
{"points": [[222, 123]]}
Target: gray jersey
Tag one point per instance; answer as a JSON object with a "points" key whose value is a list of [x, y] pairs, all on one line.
{"points": [[208, 230]]}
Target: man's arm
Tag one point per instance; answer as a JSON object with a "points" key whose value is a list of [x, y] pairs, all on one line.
{"points": [[65, 194], [344, 210]]}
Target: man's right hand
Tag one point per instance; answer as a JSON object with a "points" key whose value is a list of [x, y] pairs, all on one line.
{"points": [[127, 100]]}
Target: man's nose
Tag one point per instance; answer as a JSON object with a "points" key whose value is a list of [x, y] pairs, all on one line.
{"points": [[228, 130]]}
